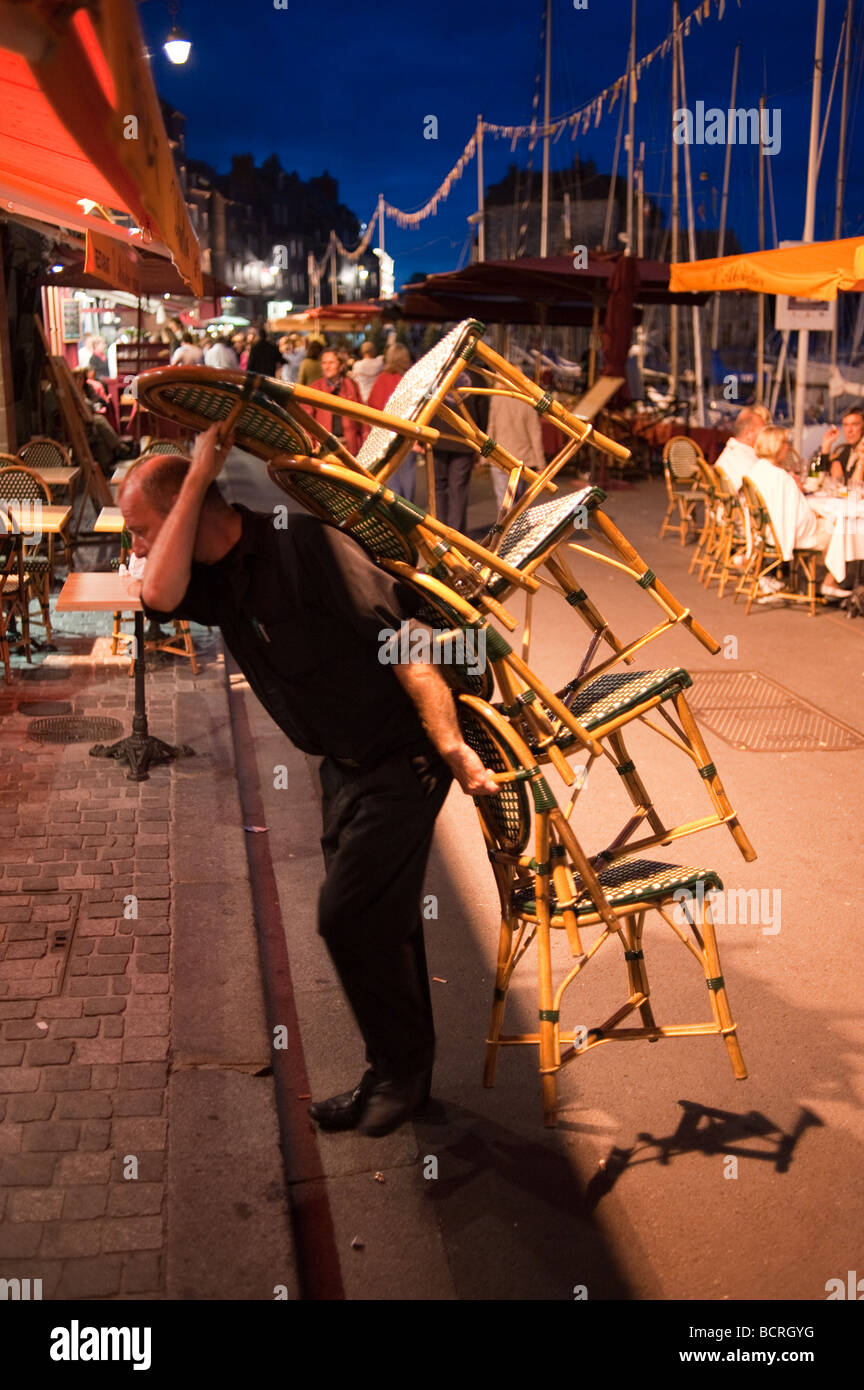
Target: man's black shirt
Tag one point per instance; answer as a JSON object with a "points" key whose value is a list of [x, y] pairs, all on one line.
{"points": [[301, 608]]}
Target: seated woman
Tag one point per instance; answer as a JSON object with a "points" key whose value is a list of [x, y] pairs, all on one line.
{"points": [[795, 524]]}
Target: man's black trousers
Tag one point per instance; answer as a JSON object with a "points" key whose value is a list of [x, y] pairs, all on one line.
{"points": [[377, 833]]}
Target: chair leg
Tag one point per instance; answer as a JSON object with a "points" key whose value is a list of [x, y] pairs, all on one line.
{"points": [[719, 1000], [181, 627], [499, 1000], [709, 775], [550, 1051], [637, 975], [636, 789]]}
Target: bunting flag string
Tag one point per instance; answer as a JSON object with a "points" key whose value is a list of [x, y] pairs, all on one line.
{"points": [[361, 246], [578, 122], [411, 219]]}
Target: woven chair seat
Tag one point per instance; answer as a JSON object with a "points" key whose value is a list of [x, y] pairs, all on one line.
{"points": [[36, 564], [416, 388], [619, 691], [539, 526], [378, 527], [263, 427], [629, 883]]}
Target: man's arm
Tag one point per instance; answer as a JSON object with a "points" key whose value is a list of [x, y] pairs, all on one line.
{"points": [[433, 700], [169, 563]]}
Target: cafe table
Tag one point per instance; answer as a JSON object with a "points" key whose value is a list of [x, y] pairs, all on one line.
{"points": [[110, 521], [110, 593], [61, 477], [28, 521], [844, 515]]}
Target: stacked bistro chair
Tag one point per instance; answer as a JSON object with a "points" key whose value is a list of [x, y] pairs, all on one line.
{"points": [[20, 484], [722, 558], [546, 881], [560, 885], [766, 556], [685, 489], [519, 724], [713, 515]]}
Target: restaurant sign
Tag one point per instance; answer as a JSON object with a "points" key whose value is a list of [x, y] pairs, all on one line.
{"points": [[112, 262]]}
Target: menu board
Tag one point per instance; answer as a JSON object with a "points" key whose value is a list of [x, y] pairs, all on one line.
{"points": [[71, 320]]}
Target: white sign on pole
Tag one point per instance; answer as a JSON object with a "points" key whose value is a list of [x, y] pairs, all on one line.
{"points": [[793, 312]]}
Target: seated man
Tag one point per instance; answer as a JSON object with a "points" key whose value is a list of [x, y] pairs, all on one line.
{"points": [[840, 459], [795, 524], [738, 456], [302, 610]]}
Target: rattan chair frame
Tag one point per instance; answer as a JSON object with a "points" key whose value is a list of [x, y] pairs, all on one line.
{"points": [[557, 862], [766, 556], [685, 488], [730, 538], [554, 733], [14, 596], [38, 567]]}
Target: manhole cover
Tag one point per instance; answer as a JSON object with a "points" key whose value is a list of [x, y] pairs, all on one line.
{"points": [[34, 707], [754, 713], [72, 729]]}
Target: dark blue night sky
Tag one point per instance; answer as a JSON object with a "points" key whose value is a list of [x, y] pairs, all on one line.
{"points": [[347, 87]]}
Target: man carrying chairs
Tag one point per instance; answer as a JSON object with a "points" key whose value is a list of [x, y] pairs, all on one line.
{"points": [[301, 609], [375, 561]]}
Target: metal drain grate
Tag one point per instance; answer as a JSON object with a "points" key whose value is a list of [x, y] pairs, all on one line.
{"points": [[754, 713], [74, 729]]}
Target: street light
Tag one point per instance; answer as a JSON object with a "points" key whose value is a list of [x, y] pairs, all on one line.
{"points": [[177, 46]]}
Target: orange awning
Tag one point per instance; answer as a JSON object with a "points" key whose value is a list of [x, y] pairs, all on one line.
{"points": [[80, 119], [814, 271]]}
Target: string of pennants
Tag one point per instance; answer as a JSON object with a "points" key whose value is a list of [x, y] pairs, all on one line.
{"points": [[578, 122]]}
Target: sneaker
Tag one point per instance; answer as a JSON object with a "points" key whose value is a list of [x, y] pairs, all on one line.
{"points": [[829, 590], [768, 584], [769, 599]]}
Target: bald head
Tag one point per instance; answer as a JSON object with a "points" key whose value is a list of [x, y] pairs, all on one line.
{"points": [[159, 479], [150, 490], [750, 421]]}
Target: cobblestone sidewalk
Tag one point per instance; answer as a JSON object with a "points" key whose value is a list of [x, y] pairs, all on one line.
{"points": [[85, 941]]}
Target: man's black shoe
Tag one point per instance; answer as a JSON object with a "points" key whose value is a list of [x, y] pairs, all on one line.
{"points": [[343, 1111], [390, 1103]]}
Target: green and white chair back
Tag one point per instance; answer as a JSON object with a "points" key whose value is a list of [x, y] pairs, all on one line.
{"points": [[418, 392]]}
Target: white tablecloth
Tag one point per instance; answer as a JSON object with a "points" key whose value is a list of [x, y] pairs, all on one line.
{"points": [[845, 515]]}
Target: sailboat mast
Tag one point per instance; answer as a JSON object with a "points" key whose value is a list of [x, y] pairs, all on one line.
{"points": [[544, 208], [810, 216], [724, 201], [675, 213], [841, 168], [631, 128], [691, 236], [760, 298]]}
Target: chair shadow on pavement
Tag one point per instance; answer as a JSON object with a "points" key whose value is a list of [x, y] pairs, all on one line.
{"points": [[702, 1129], [518, 1205]]}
